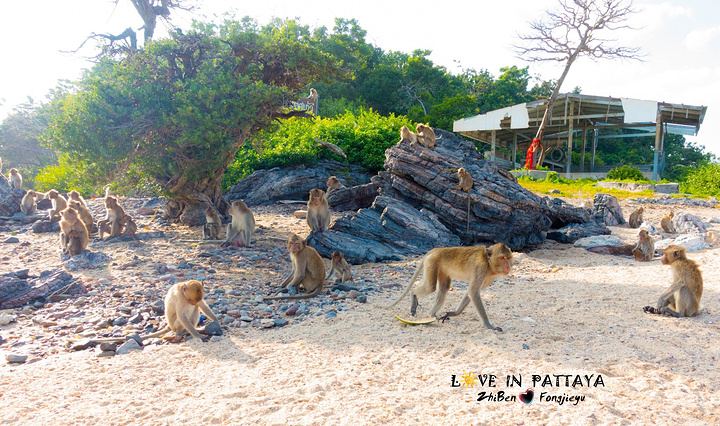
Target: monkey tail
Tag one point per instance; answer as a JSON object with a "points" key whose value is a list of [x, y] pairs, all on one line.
{"points": [[407, 288], [122, 339], [315, 292]]}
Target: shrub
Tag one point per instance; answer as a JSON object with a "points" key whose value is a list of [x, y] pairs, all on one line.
{"points": [[626, 173], [703, 182]]}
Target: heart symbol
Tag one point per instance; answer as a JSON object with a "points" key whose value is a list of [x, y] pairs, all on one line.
{"points": [[527, 396]]}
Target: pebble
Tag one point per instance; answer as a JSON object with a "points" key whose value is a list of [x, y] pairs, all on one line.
{"points": [[127, 347], [136, 319], [331, 314], [6, 319], [108, 347], [214, 328], [15, 358], [362, 299], [119, 321], [12, 240], [105, 354], [280, 322], [292, 310], [267, 323]]}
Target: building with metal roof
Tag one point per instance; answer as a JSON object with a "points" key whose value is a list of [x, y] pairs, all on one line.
{"points": [[576, 116]]}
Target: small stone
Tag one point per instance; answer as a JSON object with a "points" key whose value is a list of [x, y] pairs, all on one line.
{"points": [[128, 346], [524, 346], [108, 347], [228, 319], [81, 345], [354, 294], [137, 319], [12, 240], [292, 310], [267, 323], [38, 304], [158, 307], [258, 299], [6, 319], [216, 339], [119, 321], [15, 358], [280, 322], [102, 324], [48, 323], [105, 354], [214, 328], [331, 314], [135, 337], [362, 299]]}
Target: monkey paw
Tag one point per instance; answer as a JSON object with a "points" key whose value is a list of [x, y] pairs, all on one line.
{"points": [[650, 310], [443, 318]]}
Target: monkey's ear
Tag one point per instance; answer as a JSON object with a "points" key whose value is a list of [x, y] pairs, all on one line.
{"points": [[184, 288]]}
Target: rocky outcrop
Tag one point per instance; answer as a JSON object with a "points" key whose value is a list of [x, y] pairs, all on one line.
{"points": [[18, 288], [9, 198]]}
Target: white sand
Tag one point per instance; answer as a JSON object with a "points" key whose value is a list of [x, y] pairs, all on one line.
{"points": [[364, 367]]}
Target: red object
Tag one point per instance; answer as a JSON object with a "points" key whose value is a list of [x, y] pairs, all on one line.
{"points": [[529, 158]]}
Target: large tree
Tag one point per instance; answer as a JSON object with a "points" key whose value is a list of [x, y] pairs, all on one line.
{"points": [[179, 109], [577, 28]]}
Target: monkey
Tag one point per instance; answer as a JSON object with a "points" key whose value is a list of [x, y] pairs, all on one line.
{"points": [[129, 226], [333, 184], [59, 203], [636, 218], [70, 222], [667, 225], [84, 214], [211, 229], [405, 133], [74, 244], [465, 184], [308, 270], [183, 304], [341, 268], [682, 298], [111, 224], [75, 196], [318, 211], [240, 230], [425, 135], [28, 204], [477, 265], [645, 248], [312, 97], [15, 178]]}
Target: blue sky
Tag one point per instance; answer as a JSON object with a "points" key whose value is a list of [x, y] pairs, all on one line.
{"points": [[680, 41]]}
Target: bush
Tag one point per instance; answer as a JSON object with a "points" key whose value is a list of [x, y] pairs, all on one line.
{"points": [[363, 136], [703, 182], [626, 173]]}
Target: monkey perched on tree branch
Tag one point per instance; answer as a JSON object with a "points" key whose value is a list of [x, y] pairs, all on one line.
{"points": [[478, 265]]}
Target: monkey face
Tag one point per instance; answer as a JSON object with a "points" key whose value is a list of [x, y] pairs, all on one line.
{"points": [[672, 253], [193, 292], [110, 202], [52, 194], [69, 215], [295, 244]]}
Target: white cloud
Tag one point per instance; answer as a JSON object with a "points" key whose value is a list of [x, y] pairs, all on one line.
{"points": [[702, 39]]}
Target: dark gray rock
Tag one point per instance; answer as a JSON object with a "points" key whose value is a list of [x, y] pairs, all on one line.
{"points": [[108, 347], [16, 292], [573, 232], [562, 214], [9, 198], [44, 227], [128, 346], [214, 329], [12, 240], [353, 198], [606, 210]]}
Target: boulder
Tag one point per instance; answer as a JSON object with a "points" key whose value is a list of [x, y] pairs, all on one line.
{"points": [[606, 210], [576, 231]]}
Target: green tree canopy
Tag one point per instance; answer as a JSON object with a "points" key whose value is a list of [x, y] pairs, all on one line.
{"points": [[180, 109]]}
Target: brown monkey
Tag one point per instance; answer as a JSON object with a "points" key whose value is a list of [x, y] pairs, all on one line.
{"points": [[211, 229], [183, 304], [15, 178], [477, 265], [59, 203], [111, 224], [341, 268], [636, 218], [70, 222], [425, 135], [310, 99], [682, 299], [129, 226], [308, 270], [405, 133], [667, 225], [318, 211], [28, 204], [75, 196], [644, 250], [74, 244], [465, 184], [84, 214], [333, 184], [240, 230]]}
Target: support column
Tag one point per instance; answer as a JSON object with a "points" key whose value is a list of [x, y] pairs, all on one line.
{"points": [[492, 146], [658, 145], [514, 150], [582, 156], [594, 147], [568, 160]]}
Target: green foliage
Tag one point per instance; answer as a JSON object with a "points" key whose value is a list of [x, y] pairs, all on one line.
{"points": [[180, 109], [64, 177], [626, 173], [703, 182], [364, 137]]}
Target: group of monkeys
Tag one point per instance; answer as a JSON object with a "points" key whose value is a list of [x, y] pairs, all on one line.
{"points": [[76, 221]]}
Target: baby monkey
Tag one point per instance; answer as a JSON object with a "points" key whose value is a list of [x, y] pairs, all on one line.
{"points": [[341, 268]]}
